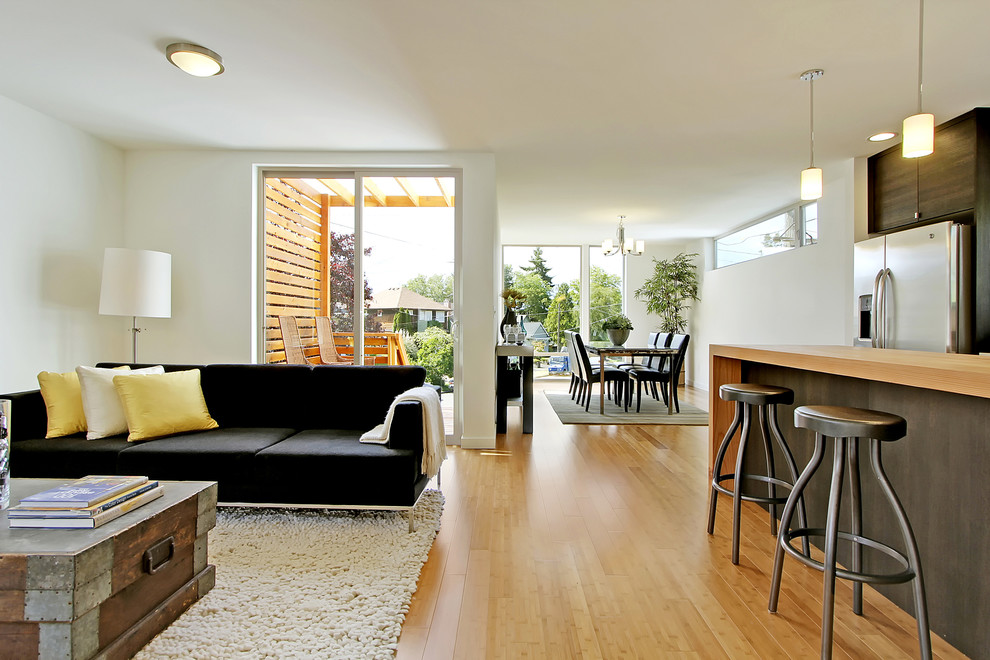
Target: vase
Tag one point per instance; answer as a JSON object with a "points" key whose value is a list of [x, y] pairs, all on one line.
{"points": [[617, 336], [507, 320], [4, 453]]}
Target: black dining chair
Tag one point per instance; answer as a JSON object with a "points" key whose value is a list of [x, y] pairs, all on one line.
{"points": [[615, 379], [572, 364], [666, 374], [651, 340]]}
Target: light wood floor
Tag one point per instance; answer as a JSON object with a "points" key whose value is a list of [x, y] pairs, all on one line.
{"points": [[590, 542]]}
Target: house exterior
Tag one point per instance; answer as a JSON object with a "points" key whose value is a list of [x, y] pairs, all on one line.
{"points": [[386, 304]]}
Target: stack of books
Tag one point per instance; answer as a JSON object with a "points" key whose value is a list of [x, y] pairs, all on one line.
{"points": [[85, 503]]}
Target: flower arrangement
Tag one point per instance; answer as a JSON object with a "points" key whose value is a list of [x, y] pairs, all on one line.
{"points": [[617, 322], [513, 298]]}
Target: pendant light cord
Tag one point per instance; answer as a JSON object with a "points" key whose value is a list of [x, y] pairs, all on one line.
{"points": [[812, 86], [921, 49]]}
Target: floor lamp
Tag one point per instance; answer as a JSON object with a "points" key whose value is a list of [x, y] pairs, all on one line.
{"points": [[136, 283]]}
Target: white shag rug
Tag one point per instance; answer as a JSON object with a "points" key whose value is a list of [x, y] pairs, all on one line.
{"points": [[305, 583]]}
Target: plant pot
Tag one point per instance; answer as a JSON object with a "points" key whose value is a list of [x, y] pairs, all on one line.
{"points": [[617, 336]]}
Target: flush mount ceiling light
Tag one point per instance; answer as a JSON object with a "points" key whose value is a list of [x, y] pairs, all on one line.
{"points": [[882, 136], [622, 245], [919, 129], [195, 60], [811, 178]]}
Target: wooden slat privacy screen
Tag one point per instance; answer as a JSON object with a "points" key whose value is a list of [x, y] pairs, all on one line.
{"points": [[296, 244], [297, 249]]}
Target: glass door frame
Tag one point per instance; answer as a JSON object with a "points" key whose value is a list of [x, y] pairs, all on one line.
{"points": [[358, 174]]}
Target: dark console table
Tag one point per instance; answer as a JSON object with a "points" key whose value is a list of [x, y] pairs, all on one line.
{"points": [[513, 386]]}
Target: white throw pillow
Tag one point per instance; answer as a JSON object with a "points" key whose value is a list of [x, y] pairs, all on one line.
{"points": [[101, 403]]}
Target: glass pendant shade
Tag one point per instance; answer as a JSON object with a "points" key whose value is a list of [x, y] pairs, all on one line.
{"points": [[607, 246], [919, 135], [811, 183]]}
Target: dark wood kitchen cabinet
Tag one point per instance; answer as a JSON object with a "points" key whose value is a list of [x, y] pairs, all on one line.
{"points": [[916, 191], [953, 183]]}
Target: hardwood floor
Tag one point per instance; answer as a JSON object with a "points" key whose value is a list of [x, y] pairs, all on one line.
{"points": [[590, 542]]}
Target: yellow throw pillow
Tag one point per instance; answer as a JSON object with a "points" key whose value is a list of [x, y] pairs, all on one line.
{"points": [[63, 400], [157, 405]]}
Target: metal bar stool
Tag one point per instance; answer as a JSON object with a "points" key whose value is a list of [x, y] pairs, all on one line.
{"points": [[846, 426], [766, 398]]}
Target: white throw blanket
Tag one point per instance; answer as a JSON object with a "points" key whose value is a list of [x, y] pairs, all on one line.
{"points": [[434, 447]]}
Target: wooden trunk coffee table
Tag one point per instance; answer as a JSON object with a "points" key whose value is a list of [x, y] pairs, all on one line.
{"points": [[104, 592]]}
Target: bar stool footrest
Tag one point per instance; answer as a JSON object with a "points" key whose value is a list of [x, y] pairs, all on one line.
{"points": [[717, 485], [871, 578]]}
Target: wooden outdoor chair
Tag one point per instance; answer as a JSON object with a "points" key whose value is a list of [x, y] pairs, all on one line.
{"points": [[294, 353], [328, 348]]}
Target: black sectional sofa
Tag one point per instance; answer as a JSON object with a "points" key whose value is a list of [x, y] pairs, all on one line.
{"points": [[288, 435]]}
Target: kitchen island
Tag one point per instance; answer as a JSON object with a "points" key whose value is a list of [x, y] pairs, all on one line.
{"points": [[939, 469]]}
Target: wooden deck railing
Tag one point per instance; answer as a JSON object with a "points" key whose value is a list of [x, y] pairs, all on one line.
{"points": [[386, 347]]}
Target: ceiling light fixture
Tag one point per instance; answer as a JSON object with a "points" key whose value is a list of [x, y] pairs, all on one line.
{"points": [[811, 178], [195, 60], [622, 244], [882, 136], [919, 129]]}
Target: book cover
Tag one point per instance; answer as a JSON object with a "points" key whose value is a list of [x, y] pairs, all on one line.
{"points": [[83, 492], [89, 523], [33, 511]]}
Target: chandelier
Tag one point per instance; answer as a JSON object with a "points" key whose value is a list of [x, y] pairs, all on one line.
{"points": [[622, 245]]}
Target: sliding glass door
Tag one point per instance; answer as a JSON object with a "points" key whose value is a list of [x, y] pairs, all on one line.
{"points": [[398, 236]]}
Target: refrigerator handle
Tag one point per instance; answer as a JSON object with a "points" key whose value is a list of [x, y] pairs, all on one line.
{"points": [[877, 306], [880, 308]]}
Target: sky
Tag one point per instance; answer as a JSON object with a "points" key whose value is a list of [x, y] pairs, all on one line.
{"points": [[564, 261], [404, 242]]}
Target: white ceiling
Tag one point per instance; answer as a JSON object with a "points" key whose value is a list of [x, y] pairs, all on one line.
{"points": [[687, 117]]}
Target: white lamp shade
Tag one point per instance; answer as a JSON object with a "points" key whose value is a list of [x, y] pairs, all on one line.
{"points": [[608, 245], [811, 183], [640, 246], [136, 283], [919, 136]]}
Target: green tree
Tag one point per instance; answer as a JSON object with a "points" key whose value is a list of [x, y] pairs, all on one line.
{"points": [[341, 274], [537, 296], [606, 299], [435, 287], [563, 313], [435, 352], [508, 277], [538, 266], [403, 321]]}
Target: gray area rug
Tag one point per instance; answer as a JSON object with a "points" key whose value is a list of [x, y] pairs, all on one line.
{"points": [[305, 583], [651, 412]]}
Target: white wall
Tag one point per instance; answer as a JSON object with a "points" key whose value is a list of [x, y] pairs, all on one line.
{"points": [[61, 191], [199, 206], [801, 296]]}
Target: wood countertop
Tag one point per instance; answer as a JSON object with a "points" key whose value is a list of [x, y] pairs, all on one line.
{"points": [[946, 372]]}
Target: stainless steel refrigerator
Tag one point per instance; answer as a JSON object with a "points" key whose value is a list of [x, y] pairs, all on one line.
{"points": [[913, 289]]}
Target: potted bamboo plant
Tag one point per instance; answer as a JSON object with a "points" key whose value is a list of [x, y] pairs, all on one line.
{"points": [[669, 291]]}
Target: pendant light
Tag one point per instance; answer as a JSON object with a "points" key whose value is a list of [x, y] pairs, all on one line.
{"points": [[621, 244], [919, 129], [811, 178]]}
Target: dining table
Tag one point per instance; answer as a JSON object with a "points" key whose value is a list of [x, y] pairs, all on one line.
{"points": [[605, 352]]}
